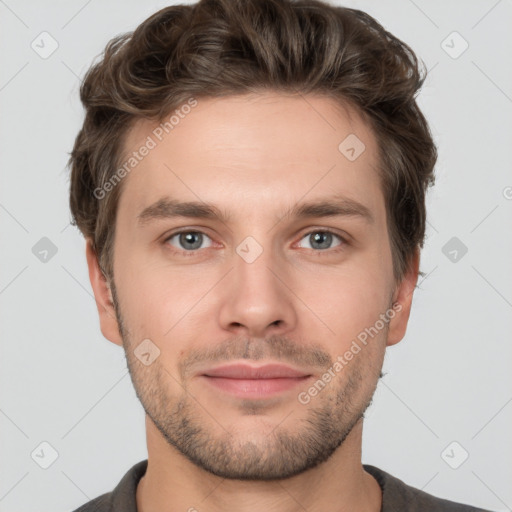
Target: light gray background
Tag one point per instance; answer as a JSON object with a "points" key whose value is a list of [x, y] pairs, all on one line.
{"points": [[448, 380]]}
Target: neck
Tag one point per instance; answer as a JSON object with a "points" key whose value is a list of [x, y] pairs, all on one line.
{"points": [[172, 482]]}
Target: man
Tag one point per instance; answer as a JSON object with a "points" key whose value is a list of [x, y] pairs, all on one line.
{"points": [[250, 179]]}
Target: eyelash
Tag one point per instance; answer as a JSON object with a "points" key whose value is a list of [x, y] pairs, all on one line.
{"points": [[343, 244]]}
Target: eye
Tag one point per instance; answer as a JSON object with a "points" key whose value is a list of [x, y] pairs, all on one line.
{"points": [[322, 239], [188, 240]]}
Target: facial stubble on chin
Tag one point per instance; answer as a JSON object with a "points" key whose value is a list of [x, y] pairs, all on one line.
{"points": [[199, 434]]}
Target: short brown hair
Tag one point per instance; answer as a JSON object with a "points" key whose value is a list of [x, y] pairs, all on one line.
{"points": [[217, 48]]}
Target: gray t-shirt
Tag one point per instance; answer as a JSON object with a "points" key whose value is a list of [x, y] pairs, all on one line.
{"points": [[396, 495]]}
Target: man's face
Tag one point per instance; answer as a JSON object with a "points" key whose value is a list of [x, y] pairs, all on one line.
{"points": [[259, 286]]}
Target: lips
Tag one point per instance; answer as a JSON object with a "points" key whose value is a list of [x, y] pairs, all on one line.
{"points": [[242, 371], [258, 383]]}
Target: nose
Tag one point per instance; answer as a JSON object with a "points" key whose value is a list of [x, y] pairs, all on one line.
{"points": [[257, 300]]}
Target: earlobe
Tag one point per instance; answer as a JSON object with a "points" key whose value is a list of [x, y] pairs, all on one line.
{"points": [[402, 301], [103, 297]]}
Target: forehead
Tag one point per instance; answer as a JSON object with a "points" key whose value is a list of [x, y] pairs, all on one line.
{"points": [[252, 152]]}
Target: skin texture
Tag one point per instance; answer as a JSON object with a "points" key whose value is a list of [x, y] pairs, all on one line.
{"points": [[301, 302]]}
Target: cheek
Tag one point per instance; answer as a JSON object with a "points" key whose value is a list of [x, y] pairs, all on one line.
{"points": [[142, 301], [166, 305], [348, 302], [161, 301]]}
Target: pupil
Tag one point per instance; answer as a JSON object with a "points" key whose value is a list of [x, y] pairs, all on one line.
{"points": [[325, 237], [188, 238]]}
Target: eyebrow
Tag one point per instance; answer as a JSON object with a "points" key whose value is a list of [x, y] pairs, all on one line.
{"points": [[333, 206]]}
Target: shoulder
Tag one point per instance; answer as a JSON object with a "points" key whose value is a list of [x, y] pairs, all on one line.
{"points": [[398, 496], [102, 503], [123, 497]]}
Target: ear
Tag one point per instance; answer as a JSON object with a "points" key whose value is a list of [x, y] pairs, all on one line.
{"points": [[103, 297], [402, 301]]}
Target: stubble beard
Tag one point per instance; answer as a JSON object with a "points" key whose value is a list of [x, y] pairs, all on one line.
{"points": [[298, 443]]}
